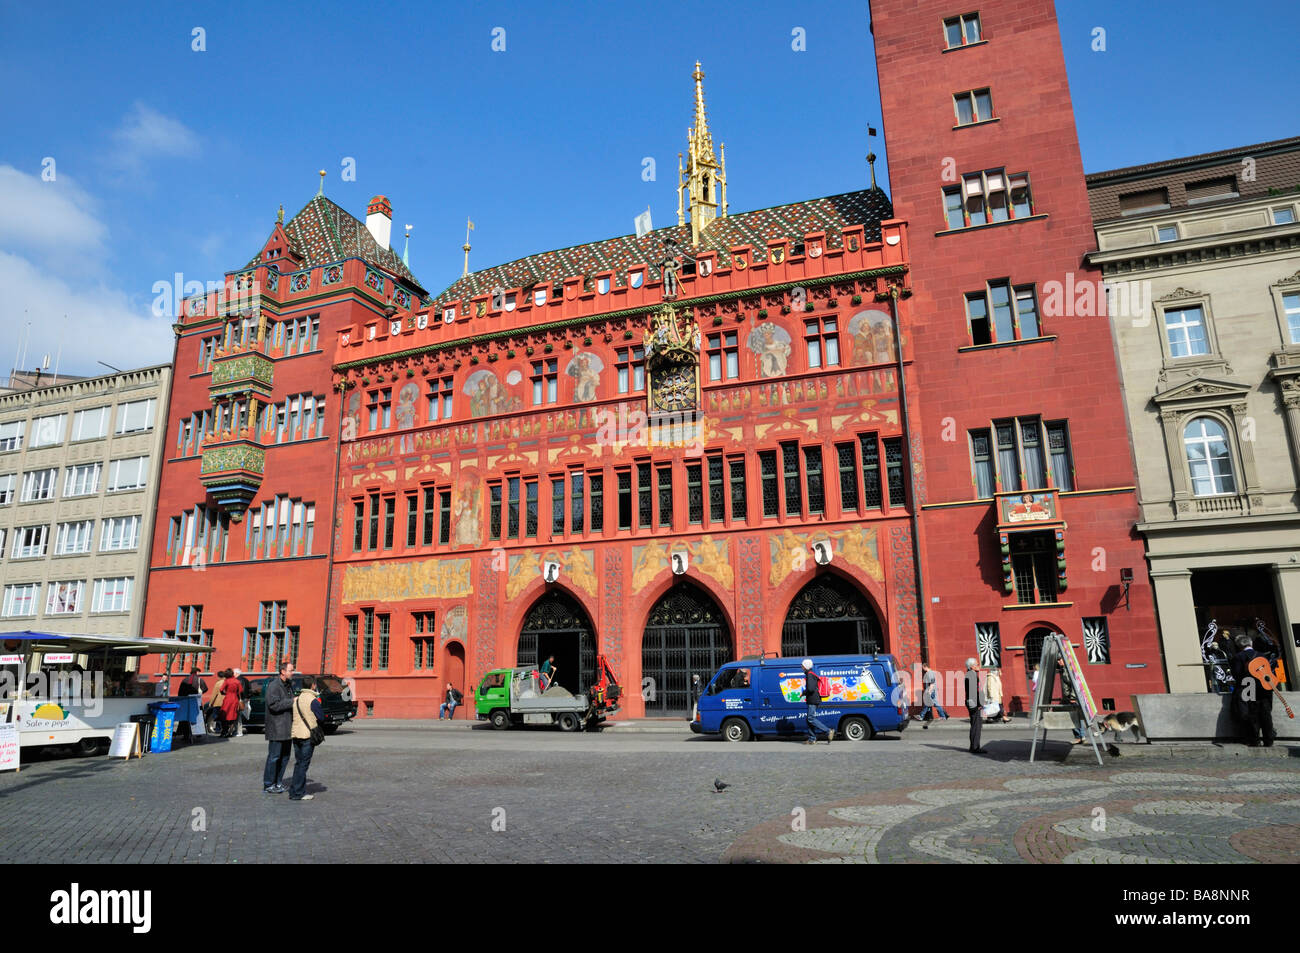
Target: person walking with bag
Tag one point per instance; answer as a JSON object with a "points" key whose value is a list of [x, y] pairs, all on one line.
{"points": [[245, 706], [279, 729], [930, 696], [307, 734], [216, 703], [813, 696], [231, 703], [993, 692]]}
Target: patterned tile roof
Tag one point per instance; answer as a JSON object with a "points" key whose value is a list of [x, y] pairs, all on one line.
{"points": [[830, 214], [323, 232]]}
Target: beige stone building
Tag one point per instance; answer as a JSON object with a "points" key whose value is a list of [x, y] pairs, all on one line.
{"points": [[1201, 257], [79, 465]]}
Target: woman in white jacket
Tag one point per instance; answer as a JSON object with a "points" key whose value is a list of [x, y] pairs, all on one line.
{"points": [[993, 691]]}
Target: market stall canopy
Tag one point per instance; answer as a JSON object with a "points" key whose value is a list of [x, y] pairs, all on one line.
{"points": [[125, 644]]}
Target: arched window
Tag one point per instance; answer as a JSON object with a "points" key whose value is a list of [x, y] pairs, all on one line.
{"points": [[1208, 457]]}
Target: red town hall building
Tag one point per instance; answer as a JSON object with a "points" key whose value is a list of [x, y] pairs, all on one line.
{"points": [[242, 546], [706, 442], [1028, 498]]}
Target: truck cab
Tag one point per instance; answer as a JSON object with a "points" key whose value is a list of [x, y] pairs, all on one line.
{"points": [[492, 696]]}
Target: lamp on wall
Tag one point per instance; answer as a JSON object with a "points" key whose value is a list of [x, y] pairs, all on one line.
{"points": [[1126, 580]]}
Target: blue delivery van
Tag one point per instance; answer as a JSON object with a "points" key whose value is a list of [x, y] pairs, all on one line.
{"points": [[764, 696]]}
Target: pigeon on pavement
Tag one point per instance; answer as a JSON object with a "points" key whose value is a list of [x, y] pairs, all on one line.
{"points": [[719, 785]]}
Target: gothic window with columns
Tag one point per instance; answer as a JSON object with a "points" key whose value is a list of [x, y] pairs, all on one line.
{"points": [[1209, 457]]}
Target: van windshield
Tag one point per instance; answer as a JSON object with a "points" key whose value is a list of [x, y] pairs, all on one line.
{"points": [[731, 679]]}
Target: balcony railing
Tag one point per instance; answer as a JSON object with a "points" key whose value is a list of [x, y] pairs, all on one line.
{"points": [[241, 372], [1212, 505], [232, 471]]}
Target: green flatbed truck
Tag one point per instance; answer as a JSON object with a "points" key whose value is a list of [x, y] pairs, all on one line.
{"points": [[508, 697]]}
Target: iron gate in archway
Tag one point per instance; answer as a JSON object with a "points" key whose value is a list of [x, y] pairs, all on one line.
{"points": [[1034, 653], [685, 635], [557, 625], [829, 616]]}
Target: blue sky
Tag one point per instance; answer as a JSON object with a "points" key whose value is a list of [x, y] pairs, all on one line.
{"points": [[171, 160]]}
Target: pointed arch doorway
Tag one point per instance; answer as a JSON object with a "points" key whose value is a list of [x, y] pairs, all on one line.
{"points": [[685, 634], [1034, 652], [829, 616], [557, 625], [453, 667]]}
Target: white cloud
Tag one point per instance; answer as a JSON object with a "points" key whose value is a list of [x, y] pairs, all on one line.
{"points": [[102, 323], [47, 218], [147, 134], [53, 262]]}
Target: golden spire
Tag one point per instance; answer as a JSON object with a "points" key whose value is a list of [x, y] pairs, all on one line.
{"points": [[699, 183]]}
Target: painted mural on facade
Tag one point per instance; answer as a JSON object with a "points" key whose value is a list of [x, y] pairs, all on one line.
{"points": [[796, 552], [397, 582], [585, 370], [487, 395], [710, 556], [575, 567], [872, 334], [770, 344]]}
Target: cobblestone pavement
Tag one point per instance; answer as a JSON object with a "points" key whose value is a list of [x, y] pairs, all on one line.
{"points": [[394, 792]]}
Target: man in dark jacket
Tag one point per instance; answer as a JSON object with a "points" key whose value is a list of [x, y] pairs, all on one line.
{"points": [[814, 698], [973, 705], [451, 698], [1252, 696], [193, 684], [279, 729]]}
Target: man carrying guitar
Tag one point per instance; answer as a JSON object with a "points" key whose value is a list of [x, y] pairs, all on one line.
{"points": [[1256, 680]]}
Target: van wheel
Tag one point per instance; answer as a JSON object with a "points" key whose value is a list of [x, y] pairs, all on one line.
{"points": [[567, 721], [856, 729], [736, 729], [501, 719], [90, 746]]}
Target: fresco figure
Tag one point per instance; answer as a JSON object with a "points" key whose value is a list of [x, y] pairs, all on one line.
{"points": [[650, 563], [406, 398], [455, 624], [465, 514], [487, 396], [585, 370], [352, 420], [873, 337], [771, 345]]}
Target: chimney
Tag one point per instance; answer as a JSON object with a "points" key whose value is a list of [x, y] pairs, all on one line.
{"points": [[379, 220]]}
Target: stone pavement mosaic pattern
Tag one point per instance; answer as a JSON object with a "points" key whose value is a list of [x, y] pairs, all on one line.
{"points": [[399, 795], [1107, 817]]}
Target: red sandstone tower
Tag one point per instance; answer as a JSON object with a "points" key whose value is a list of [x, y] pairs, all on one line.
{"points": [[1024, 475], [241, 549]]}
